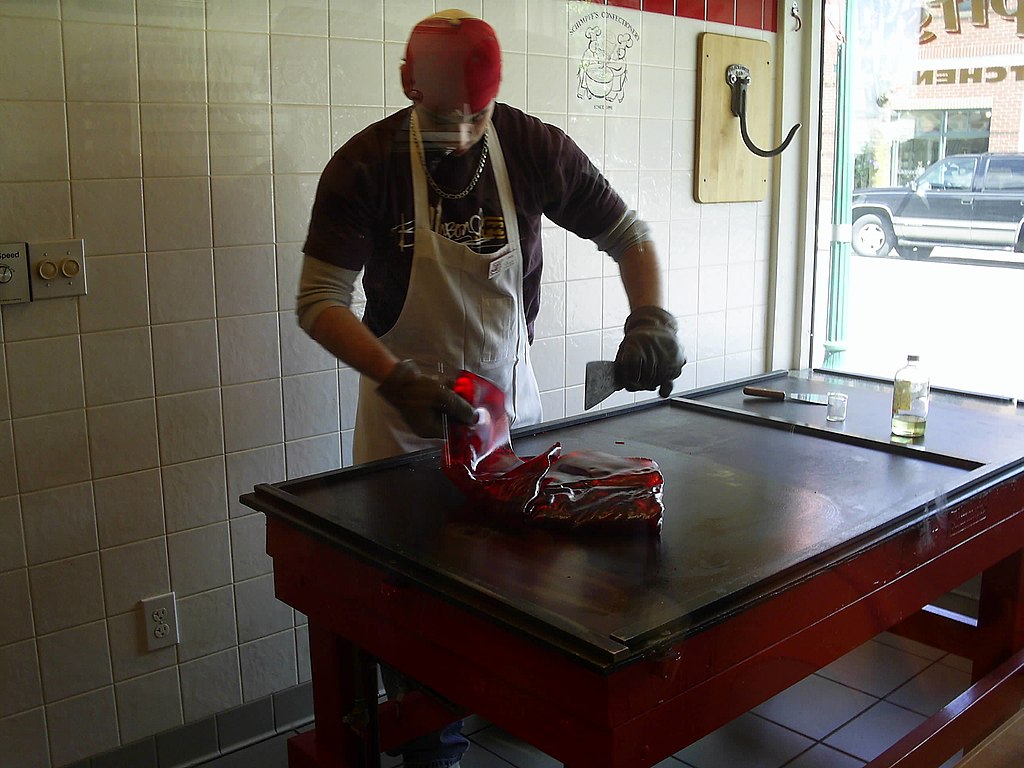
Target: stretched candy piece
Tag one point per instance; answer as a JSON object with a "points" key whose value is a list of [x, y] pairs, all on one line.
{"points": [[588, 489], [578, 491]]}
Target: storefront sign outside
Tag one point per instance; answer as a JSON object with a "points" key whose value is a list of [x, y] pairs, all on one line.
{"points": [[969, 75], [979, 16]]}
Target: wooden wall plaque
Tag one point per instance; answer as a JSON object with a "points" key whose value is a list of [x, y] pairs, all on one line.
{"points": [[724, 169]]}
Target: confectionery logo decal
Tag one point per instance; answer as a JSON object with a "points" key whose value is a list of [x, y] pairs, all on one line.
{"points": [[606, 40]]}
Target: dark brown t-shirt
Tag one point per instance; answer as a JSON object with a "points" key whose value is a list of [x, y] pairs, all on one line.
{"points": [[363, 212]]}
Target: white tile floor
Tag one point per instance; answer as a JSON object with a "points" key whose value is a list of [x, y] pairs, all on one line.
{"points": [[841, 717]]}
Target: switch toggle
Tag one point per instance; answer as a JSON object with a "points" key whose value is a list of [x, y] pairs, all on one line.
{"points": [[14, 273], [58, 269]]}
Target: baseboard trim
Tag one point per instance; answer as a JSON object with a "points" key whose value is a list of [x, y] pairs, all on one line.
{"points": [[194, 743]]}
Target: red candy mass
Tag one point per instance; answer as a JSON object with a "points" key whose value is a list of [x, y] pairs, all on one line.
{"points": [[581, 490]]}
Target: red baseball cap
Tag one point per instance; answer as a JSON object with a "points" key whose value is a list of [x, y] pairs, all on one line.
{"points": [[452, 61]]}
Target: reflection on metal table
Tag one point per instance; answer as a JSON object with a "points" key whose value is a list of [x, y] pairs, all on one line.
{"points": [[787, 542]]}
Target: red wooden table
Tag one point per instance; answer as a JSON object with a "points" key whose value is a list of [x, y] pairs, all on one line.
{"points": [[787, 542]]}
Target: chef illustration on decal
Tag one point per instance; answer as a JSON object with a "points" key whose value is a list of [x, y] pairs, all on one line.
{"points": [[606, 41], [602, 73]]}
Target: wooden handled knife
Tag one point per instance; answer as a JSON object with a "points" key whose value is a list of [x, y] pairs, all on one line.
{"points": [[778, 394]]}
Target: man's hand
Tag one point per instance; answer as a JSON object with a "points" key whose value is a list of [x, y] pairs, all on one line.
{"points": [[424, 400], [649, 356]]}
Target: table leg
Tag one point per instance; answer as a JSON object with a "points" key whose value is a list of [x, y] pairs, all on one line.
{"points": [[344, 700], [1000, 614]]}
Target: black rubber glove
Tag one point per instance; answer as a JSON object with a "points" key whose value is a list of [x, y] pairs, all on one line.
{"points": [[424, 399], [649, 356]]}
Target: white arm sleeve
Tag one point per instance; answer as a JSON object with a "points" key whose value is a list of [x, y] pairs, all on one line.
{"points": [[623, 235], [322, 285]]}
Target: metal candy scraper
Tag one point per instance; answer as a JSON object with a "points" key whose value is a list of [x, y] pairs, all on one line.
{"points": [[778, 394], [600, 382]]}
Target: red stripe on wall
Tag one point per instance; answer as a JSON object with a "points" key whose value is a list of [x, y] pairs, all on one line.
{"points": [[749, 13], [771, 15], [723, 11], [660, 6], [690, 9], [634, 4], [754, 14]]}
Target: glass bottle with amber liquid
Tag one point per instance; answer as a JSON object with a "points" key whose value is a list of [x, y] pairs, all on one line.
{"points": [[910, 393]]}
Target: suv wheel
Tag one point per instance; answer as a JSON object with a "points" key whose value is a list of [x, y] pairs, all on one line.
{"points": [[872, 236]]}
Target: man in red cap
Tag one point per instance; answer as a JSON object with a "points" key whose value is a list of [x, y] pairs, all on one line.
{"points": [[438, 208], [445, 229], [452, 71]]}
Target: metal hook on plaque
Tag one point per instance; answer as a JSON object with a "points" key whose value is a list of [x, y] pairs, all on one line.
{"points": [[738, 78]]}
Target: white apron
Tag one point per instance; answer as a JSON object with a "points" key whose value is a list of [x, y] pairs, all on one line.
{"points": [[463, 310]]}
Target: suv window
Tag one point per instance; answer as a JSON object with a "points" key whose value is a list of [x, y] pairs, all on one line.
{"points": [[952, 173], [1005, 173]]}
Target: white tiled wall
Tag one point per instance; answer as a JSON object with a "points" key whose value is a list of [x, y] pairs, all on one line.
{"points": [[183, 141]]}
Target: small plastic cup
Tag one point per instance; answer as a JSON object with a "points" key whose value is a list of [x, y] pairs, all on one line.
{"points": [[836, 407]]}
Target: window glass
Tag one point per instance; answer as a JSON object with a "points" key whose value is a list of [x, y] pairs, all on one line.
{"points": [[954, 173], [937, 133], [1005, 173], [921, 206]]}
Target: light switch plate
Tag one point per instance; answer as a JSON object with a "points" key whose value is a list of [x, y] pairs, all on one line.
{"points": [[57, 269], [14, 281]]}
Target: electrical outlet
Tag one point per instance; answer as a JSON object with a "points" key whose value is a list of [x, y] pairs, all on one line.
{"points": [[160, 621]]}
